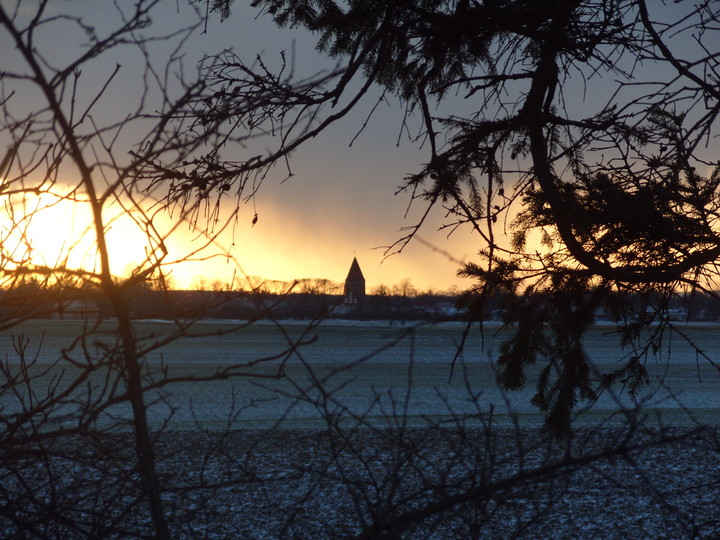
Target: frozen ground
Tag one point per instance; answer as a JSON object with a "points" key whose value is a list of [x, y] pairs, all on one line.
{"points": [[666, 492], [296, 483], [304, 484]]}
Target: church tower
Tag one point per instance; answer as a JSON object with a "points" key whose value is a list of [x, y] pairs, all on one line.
{"points": [[355, 285]]}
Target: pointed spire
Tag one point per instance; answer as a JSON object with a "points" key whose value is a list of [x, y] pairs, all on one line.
{"points": [[355, 274], [355, 284]]}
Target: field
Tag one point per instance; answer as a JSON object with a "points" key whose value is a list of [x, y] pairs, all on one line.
{"points": [[375, 370], [314, 483]]}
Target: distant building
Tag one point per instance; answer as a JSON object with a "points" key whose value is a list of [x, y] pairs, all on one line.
{"points": [[354, 285]]}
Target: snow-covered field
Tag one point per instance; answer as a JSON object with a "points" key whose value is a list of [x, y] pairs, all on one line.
{"points": [[373, 366], [296, 482], [438, 484]]}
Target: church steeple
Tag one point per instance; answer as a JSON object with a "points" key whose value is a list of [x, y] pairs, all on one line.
{"points": [[355, 284]]}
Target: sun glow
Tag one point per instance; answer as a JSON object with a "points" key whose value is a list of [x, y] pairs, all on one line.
{"points": [[57, 232]]}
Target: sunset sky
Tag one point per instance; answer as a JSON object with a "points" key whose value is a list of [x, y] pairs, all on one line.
{"points": [[341, 201], [339, 204]]}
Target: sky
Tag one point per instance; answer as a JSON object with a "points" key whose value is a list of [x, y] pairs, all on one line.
{"points": [[340, 203]]}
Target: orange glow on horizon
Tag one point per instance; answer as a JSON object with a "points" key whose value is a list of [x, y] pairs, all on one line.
{"points": [[57, 232], [54, 231]]}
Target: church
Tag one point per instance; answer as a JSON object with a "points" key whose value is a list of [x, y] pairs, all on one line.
{"points": [[354, 293]]}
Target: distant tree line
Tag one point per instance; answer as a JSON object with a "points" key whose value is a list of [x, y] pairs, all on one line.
{"points": [[306, 299], [314, 299]]}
